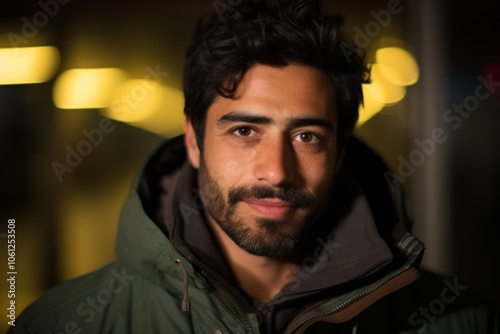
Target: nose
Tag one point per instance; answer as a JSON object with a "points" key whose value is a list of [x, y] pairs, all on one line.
{"points": [[275, 163]]}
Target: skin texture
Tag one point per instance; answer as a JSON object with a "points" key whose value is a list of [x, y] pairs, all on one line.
{"points": [[268, 164]]}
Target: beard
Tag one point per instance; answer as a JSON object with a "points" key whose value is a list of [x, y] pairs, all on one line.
{"points": [[273, 238]]}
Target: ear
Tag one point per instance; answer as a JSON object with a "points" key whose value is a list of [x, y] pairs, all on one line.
{"points": [[193, 152]]}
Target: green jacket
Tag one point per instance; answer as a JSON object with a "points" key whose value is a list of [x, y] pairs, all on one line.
{"points": [[360, 274]]}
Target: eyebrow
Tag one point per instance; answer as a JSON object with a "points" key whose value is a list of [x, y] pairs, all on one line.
{"points": [[310, 121], [236, 116]]}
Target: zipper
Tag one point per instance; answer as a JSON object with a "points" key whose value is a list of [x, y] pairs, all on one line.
{"points": [[239, 307], [351, 300]]}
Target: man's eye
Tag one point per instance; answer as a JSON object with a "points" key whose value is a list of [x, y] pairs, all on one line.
{"points": [[307, 137], [243, 131]]}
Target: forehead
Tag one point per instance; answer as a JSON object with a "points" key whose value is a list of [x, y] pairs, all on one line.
{"points": [[281, 92]]}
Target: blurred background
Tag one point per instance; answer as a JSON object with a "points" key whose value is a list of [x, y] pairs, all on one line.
{"points": [[89, 89]]}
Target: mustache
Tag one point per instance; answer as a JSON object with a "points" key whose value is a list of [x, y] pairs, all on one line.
{"points": [[294, 196]]}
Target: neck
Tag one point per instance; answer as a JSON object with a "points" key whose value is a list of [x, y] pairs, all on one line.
{"points": [[261, 278]]}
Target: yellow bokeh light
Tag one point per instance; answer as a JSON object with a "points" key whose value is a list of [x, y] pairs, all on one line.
{"points": [[397, 65], [148, 105], [168, 120], [87, 88], [28, 65], [392, 93], [371, 106], [134, 101]]}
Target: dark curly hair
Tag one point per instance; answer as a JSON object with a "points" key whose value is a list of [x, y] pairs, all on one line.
{"points": [[276, 33]]}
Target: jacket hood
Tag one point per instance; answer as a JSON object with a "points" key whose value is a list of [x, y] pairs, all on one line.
{"points": [[362, 235]]}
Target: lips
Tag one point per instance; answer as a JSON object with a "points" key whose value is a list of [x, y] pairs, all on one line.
{"points": [[273, 208]]}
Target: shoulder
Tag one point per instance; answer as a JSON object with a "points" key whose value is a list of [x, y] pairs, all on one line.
{"points": [[114, 299], [65, 307], [448, 302], [436, 304]]}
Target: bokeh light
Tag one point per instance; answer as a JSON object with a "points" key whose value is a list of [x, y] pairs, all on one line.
{"points": [[149, 105], [397, 65], [87, 88], [371, 105], [28, 65], [393, 93]]}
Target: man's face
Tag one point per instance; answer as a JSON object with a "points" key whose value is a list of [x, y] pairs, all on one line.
{"points": [[269, 157]]}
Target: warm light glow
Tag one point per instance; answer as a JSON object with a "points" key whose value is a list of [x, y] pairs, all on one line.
{"points": [[134, 101], [371, 106], [168, 120], [28, 65], [397, 65], [148, 105], [87, 88], [392, 93]]}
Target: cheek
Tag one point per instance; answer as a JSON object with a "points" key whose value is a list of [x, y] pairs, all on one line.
{"points": [[225, 167], [232, 170], [319, 174]]}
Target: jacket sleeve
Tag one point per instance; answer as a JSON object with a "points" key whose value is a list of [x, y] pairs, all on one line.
{"points": [[446, 305], [24, 324]]}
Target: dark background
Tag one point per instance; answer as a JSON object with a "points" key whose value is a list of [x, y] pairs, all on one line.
{"points": [[65, 229]]}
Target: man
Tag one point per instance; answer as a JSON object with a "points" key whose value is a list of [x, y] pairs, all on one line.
{"points": [[266, 217]]}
